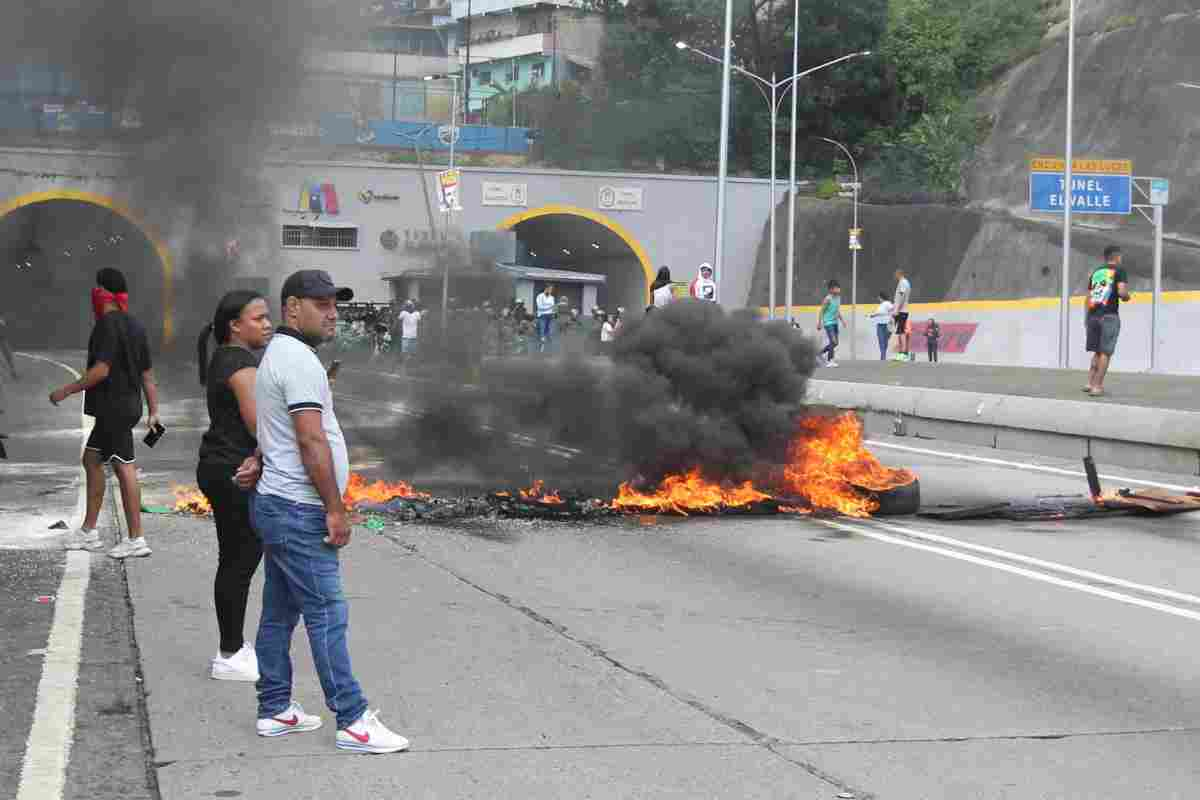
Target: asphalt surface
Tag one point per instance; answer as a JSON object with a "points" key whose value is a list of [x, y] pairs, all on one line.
{"points": [[1124, 388], [647, 657]]}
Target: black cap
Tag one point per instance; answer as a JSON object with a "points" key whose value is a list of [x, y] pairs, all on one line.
{"points": [[314, 283]]}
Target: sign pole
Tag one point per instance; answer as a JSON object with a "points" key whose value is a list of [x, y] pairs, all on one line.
{"points": [[1156, 305], [1064, 308]]}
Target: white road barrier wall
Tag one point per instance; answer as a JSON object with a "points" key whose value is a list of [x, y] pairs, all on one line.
{"points": [[1025, 332]]}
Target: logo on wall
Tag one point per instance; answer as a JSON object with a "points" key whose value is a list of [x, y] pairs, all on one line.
{"points": [[367, 195], [389, 239], [319, 198], [445, 133]]}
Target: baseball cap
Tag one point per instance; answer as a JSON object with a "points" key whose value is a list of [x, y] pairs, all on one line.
{"points": [[706, 266], [314, 283]]}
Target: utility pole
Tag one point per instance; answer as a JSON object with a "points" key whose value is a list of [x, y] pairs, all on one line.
{"points": [[1064, 303], [467, 67], [723, 160]]}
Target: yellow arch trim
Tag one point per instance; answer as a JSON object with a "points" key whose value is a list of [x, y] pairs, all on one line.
{"points": [[594, 216], [160, 247]]}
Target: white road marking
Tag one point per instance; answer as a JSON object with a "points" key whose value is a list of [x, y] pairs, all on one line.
{"points": [[1025, 465], [44, 770], [1027, 573], [85, 424], [1097, 577]]}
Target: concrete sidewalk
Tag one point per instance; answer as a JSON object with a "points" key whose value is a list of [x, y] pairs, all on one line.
{"points": [[495, 702], [1145, 421]]}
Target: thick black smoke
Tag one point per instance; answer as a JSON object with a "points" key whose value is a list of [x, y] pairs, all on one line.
{"points": [[199, 80], [688, 386]]}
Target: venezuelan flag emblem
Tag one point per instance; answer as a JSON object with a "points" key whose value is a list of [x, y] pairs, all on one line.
{"points": [[319, 198]]}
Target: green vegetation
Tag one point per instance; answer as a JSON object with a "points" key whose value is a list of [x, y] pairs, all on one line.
{"points": [[905, 111]]}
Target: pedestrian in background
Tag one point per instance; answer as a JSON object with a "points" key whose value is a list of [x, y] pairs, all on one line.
{"points": [[545, 307], [241, 325], [1108, 286], [828, 318], [660, 290], [409, 320], [608, 332], [703, 287], [933, 335], [299, 513], [883, 322], [900, 315], [118, 373]]}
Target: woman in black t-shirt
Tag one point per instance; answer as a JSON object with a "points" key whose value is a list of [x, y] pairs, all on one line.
{"points": [[241, 326]]}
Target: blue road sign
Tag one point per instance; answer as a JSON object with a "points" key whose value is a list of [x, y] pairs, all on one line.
{"points": [[1091, 194]]}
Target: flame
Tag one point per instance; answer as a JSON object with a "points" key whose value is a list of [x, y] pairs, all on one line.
{"points": [[190, 501], [829, 466], [538, 492], [685, 494], [359, 491]]}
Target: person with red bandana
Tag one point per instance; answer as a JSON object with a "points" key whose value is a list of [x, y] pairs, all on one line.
{"points": [[118, 371]]}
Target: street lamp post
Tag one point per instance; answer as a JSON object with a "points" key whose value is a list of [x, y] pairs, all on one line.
{"points": [[723, 159], [777, 91], [449, 211], [853, 253], [1064, 305]]}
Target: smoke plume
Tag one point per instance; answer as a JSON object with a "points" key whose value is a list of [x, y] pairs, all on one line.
{"points": [[194, 84], [689, 385]]}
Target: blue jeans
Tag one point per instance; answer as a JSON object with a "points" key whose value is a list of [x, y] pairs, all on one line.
{"points": [[831, 337], [545, 324], [302, 578], [884, 335]]}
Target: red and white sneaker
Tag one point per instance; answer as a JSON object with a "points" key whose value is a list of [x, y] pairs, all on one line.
{"points": [[293, 720], [368, 735]]}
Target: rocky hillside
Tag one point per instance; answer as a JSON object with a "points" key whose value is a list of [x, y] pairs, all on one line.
{"points": [[1130, 57]]}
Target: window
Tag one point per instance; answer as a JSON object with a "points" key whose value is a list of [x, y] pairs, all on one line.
{"points": [[484, 76], [537, 72], [514, 72], [321, 238]]}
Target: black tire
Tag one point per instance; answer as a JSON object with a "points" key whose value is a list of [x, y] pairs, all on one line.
{"points": [[899, 501]]}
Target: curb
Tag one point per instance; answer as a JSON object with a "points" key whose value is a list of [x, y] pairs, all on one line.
{"points": [[1132, 436]]}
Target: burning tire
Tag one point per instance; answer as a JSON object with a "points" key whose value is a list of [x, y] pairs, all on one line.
{"points": [[899, 500]]}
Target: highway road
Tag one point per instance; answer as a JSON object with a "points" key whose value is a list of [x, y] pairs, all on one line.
{"points": [[717, 657]]}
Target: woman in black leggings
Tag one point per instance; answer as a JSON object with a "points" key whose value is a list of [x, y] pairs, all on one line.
{"points": [[241, 325]]}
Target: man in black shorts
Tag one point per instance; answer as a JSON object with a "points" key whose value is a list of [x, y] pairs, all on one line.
{"points": [[1107, 287], [118, 370]]}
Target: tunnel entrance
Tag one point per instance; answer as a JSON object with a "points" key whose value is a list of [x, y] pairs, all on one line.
{"points": [[580, 240], [51, 246]]}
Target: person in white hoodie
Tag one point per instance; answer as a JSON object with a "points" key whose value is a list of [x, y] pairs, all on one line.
{"points": [[704, 287], [547, 307]]}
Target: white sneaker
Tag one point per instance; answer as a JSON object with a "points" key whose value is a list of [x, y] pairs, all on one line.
{"points": [[83, 540], [831, 364], [241, 666], [369, 735], [293, 720], [131, 548]]}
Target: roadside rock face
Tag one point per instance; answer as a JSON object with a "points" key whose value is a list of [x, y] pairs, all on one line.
{"points": [[1130, 56]]}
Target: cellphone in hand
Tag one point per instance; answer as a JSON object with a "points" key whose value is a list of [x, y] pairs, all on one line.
{"points": [[154, 435], [332, 372]]}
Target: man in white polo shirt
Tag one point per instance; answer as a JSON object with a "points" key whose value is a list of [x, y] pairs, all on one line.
{"points": [[299, 514]]}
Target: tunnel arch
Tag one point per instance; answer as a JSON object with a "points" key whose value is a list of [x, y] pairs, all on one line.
{"points": [[615, 227], [103, 201]]}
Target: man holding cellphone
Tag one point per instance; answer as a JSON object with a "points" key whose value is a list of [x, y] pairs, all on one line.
{"points": [[118, 372], [299, 513]]}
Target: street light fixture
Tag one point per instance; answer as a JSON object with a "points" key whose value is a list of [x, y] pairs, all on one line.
{"points": [[853, 252], [777, 91]]}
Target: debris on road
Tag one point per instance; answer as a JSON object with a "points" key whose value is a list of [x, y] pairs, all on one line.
{"points": [[1098, 503], [59, 526]]}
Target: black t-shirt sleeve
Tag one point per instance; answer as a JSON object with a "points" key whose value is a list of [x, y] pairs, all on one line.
{"points": [[229, 360]]}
